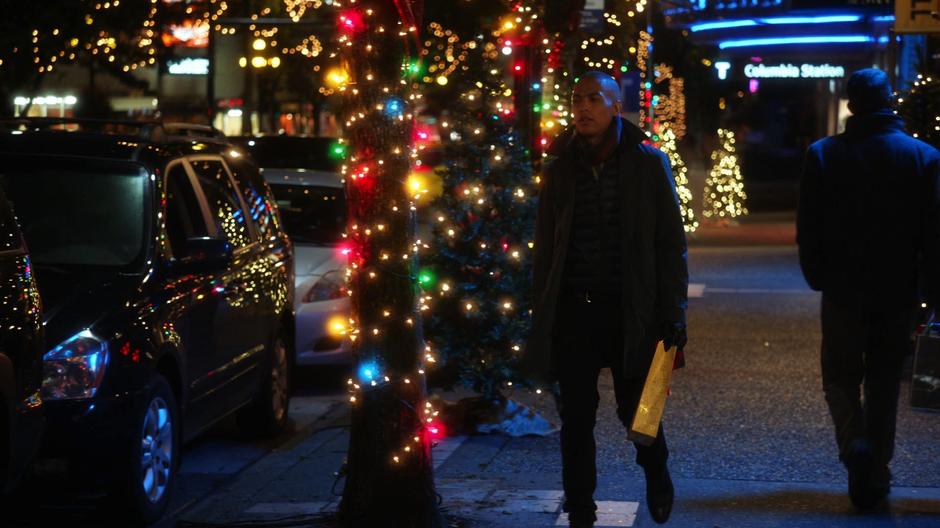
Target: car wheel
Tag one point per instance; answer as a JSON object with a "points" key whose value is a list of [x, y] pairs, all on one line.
{"points": [[267, 413], [150, 472]]}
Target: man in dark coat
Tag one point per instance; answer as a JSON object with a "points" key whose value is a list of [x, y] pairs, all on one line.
{"points": [[868, 219], [610, 281]]}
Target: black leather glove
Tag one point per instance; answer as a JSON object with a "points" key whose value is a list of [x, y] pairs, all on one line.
{"points": [[673, 334]]}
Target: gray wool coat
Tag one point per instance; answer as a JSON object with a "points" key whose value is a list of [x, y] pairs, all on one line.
{"points": [[655, 274]]}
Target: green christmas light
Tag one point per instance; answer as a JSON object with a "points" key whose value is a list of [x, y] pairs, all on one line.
{"points": [[338, 151], [426, 278], [412, 68]]}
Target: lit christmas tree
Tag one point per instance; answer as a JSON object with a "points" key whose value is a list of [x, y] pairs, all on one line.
{"points": [[920, 109], [668, 144], [724, 188], [480, 270]]}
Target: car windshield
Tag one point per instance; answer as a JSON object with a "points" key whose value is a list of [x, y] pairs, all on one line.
{"points": [[286, 152], [78, 213], [312, 214]]}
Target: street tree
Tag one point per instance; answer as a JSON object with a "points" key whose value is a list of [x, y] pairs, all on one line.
{"points": [[389, 478]]}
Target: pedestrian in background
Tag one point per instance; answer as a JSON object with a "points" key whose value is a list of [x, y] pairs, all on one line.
{"points": [[610, 281], [868, 235]]}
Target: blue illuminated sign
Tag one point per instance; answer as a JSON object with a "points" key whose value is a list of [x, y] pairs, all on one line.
{"points": [[785, 41], [775, 21]]}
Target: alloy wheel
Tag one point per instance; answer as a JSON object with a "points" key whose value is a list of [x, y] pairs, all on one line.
{"points": [[279, 381], [156, 453]]}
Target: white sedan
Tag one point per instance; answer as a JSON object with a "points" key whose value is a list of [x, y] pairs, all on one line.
{"points": [[312, 207], [313, 210]]}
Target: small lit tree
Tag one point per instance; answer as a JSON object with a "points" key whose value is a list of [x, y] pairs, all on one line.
{"points": [[724, 195]]}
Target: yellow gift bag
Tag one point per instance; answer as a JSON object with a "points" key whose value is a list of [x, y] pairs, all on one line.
{"points": [[649, 412]]}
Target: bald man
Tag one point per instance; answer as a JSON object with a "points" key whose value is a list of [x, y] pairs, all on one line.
{"points": [[609, 282]]}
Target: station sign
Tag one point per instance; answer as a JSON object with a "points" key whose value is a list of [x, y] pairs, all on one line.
{"points": [[724, 69], [792, 71]]}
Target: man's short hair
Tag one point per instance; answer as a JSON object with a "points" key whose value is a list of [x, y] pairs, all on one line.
{"points": [[869, 90], [608, 84]]}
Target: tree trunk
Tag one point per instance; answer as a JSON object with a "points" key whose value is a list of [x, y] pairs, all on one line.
{"points": [[389, 472]]}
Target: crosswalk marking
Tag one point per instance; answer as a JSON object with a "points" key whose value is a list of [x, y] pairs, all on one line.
{"points": [[698, 290], [610, 514]]}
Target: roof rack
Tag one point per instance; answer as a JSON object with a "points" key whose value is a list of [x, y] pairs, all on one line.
{"points": [[156, 131], [192, 130]]}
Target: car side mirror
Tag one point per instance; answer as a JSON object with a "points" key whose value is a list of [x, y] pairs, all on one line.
{"points": [[205, 254]]}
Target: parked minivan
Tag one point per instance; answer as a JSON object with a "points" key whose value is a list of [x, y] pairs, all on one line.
{"points": [[21, 343], [167, 286]]}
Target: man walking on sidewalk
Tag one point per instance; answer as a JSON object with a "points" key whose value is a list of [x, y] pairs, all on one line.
{"points": [[610, 280], [868, 217]]}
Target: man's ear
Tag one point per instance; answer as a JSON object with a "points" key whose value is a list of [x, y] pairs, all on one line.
{"points": [[618, 108]]}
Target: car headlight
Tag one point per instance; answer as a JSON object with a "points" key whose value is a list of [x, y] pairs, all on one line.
{"points": [[332, 285], [74, 369]]}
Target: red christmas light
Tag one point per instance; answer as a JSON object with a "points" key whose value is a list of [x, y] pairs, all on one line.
{"points": [[436, 431], [351, 22]]}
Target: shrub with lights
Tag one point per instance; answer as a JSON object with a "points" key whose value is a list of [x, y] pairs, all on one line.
{"points": [[920, 108]]}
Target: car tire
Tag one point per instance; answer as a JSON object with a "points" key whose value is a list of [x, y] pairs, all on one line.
{"points": [[149, 472], [266, 414]]}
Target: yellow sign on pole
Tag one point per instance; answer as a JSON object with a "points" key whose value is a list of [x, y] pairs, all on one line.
{"points": [[917, 16]]}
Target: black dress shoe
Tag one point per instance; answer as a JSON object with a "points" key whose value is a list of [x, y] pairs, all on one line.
{"points": [[858, 461], [659, 494]]}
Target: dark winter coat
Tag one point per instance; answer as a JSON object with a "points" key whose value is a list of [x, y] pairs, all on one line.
{"points": [[868, 215], [655, 272]]}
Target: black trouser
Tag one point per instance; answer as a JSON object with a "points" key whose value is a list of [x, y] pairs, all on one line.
{"points": [[589, 336], [864, 346]]}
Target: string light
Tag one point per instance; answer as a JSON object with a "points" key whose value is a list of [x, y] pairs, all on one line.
{"points": [[680, 173], [102, 33]]}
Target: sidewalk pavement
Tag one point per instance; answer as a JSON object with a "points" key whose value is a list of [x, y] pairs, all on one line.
{"points": [[480, 483]]}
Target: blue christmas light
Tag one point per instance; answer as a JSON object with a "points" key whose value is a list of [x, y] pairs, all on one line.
{"points": [[394, 107], [368, 371]]}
